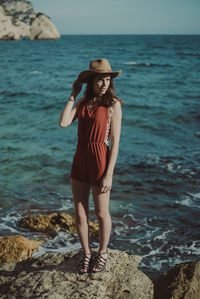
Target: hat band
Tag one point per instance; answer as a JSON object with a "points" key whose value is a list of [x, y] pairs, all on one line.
{"points": [[102, 71]]}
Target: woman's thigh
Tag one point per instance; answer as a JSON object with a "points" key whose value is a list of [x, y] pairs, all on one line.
{"points": [[81, 192]]}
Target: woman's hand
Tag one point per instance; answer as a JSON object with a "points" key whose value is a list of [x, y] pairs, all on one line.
{"points": [[106, 183], [76, 88]]}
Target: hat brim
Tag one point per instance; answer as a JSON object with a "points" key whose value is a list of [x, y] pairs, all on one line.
{"points": [[83, 76]]}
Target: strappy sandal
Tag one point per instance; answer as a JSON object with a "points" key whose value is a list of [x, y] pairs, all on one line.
{"points": [[100, 263], [84, 264]]}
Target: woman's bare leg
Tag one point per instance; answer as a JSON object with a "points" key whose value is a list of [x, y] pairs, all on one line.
{"points": [[81, 193], [101, 201]]}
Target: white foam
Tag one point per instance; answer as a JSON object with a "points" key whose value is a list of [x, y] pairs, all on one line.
{"points": [[195, 195], [133, 241], [192, 249], [184, 202], [64, 241], [36, 72], [162, 236], [153, 159], [129, 217], [5, 227], [153, 252], [130, 63], [189, 200]]}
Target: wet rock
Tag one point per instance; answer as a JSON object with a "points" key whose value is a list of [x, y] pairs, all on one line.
{"points": [[53, 222], [54, 275], [16, 248], [181, 282]]}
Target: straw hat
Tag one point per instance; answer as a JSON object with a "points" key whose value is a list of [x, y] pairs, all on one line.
{"points": [[98, 66]]}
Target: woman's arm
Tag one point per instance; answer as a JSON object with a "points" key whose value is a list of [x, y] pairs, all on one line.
{"points": [[106, 182], [69, 112]]}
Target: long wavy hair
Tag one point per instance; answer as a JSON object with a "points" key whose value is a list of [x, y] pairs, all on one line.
{"points": [[108, 99]]}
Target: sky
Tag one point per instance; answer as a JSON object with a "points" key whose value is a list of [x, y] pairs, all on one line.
{"points": [[122, 16]]}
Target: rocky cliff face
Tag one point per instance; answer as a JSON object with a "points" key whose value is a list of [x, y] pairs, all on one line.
{"points": [[18, 20]]}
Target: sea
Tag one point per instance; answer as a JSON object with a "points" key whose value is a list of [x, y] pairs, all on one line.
{"points": [[154, 202]]}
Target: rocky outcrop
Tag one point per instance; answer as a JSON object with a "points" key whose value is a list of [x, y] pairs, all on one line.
{"points": [[53, 222], [16, 248], [42, 28], [7, 30], [19, 20], [181, 282], [20, 10], [54, 275]]}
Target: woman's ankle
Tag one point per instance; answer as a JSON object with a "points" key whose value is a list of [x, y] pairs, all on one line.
{"points": [[104, 251], [87, 252]]}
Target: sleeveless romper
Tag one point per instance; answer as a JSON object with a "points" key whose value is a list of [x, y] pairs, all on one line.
{"points": [[92, 152]]}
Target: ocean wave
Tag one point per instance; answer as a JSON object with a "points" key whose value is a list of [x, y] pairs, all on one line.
{"points": [[168, 165], [162, 236], [194, 195], [14, 94], [188, 54], [154, 239], [160, 47], [185, 202], [146, 64], [189, 200], [21, 94], [36, 72], [137, 106]]}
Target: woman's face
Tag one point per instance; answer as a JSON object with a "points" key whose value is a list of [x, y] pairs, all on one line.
{"points": [[100, 84]]}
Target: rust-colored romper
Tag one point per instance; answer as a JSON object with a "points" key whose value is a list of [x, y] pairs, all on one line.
{"points": [[92, 152]]}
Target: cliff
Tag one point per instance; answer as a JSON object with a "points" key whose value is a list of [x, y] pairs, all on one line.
{"points": [[18, 20]]}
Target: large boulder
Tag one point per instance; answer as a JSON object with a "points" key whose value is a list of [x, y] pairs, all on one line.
{"points": [[54, 275], [43, 28], [54, 222], [16, 248], [181, 282]]}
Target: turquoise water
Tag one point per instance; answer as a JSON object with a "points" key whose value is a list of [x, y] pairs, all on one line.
{"points": [[155, 198]]}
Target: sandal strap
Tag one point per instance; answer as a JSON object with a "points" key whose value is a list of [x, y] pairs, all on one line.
{"points": [[84, 264], [100, 262]]}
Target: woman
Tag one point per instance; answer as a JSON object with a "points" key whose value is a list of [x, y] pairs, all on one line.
{"points": [[99, 117]]}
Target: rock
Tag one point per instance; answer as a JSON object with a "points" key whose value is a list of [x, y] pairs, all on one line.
{"points": [[19, 20], [181, 282], [43, 28], [55, 221], [23, 29], [16, 248], [7, 30], [54, 275], [19, 9]]}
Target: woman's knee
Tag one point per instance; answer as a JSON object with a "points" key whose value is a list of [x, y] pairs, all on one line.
{"points": [[103, 216], [81, 217]]}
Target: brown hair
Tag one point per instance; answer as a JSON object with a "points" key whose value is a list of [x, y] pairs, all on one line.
{"points": [[108, 99]]}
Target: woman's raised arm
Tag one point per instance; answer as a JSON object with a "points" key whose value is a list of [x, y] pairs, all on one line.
{"points": [[69, 112]]}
